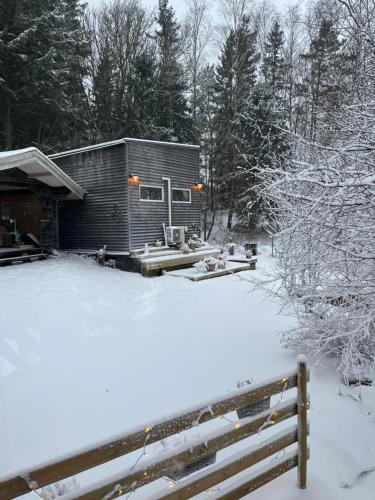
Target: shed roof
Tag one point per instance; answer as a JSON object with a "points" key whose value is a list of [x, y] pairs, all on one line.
{"points": [[120, 141], [38, 166]]}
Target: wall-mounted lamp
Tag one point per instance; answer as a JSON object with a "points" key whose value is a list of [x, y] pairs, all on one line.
{"points": [[198, 186], [134, 179]]}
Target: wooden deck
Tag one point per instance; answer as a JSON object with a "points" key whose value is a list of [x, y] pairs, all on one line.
{"points": [[168, 259], [193, 275]]}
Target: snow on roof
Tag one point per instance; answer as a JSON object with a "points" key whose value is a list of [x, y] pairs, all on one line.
{"points": [[120, 141], [38, 166], [8, 154]]}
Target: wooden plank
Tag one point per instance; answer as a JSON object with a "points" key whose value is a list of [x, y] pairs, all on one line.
{"points": [[193, 275], [227, 468], [259, 478], [302, 400], [151, 470], [106, 451], [22, 258], [154, 263], [221, 272], [164, 253], [234, 258]]}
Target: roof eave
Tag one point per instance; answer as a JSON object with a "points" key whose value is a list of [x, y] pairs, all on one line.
{"points": [[18, 160]]}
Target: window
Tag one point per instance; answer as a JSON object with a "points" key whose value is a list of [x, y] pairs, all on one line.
{"points": [[181, 195], [151, 193]]}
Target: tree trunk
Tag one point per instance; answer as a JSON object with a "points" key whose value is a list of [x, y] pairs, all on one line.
{"points": [[8, 124]]}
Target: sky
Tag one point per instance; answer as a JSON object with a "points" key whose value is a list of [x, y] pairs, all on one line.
{"points": [[178, 5]]}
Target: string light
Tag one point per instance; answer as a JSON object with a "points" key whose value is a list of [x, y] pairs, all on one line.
{"points": [[148, 430], [237, 425]]}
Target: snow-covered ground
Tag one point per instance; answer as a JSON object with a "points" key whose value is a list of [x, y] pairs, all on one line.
{"points": [[87, 353]]}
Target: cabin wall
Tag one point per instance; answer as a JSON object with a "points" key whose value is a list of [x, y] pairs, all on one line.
{"points": [[101, 218], [151, 162]]}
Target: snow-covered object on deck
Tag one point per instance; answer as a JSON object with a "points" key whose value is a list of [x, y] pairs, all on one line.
{"points": [[185, 248], [211, 263], [200, 266]]}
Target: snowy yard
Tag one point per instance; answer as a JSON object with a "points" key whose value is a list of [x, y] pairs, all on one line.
{"points": [[87, 353]]}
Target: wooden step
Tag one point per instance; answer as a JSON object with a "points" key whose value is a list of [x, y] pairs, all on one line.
{"points": [[178, 260], [193, 275], [22, 256]]}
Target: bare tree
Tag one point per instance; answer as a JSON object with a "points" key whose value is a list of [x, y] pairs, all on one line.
{"points": [[197, 28]]}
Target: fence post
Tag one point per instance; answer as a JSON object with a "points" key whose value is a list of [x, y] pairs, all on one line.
{"points": [[302, 405]]}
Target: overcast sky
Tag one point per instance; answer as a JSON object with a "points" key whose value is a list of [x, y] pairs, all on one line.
{"points": [[178, 5]]}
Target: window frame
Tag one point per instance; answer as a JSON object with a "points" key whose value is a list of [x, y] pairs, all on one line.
{"points": [[182, 189], [151, 186]]}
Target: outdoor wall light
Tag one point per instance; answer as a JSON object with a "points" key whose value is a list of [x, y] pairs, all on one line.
{"points": [[198, 186], [134, 179]]}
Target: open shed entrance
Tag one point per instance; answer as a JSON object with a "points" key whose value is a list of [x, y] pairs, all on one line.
{"points": [[31, 187]]}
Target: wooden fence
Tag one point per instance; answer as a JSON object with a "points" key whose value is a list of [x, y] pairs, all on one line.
{"points": [[180, 461]]}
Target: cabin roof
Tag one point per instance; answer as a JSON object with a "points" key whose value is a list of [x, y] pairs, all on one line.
{"points": [[38, 166], [117, 142]]}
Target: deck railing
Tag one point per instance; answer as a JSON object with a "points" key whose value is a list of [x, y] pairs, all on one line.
{"points": [[180, 461]]}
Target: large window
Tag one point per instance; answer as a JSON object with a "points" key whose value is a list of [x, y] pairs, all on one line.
{"points": [[181, 195], [151, 193]]}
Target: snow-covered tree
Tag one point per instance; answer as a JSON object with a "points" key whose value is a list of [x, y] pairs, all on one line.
{"points": [[171, 113], [323, 207], [42, 66], [236, 76]]}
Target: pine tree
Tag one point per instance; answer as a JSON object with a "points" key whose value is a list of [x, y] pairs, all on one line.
{"points": [[171, 111], [236, 76]]}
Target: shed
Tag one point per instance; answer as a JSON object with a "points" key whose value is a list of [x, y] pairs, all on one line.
{"points": [[31, 186], [132, 187]]}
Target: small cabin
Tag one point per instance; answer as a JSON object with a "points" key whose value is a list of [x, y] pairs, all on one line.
{"points": [[122, 194]]}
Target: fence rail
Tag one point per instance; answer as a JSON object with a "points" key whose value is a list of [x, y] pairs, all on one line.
{"points": [[186, 455]]}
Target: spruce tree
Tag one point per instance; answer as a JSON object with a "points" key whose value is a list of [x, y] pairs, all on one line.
{"points": [[264, 145], [325, 81], [236, 76], [274, 67], [41, 71], [171, 116]]}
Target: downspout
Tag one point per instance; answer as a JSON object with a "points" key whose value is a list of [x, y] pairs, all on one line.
{"points": [[168, 179], [128, 193]]}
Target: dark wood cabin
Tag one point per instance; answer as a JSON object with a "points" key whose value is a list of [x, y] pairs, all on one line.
{"points": [[132, 187], [117, 194]]}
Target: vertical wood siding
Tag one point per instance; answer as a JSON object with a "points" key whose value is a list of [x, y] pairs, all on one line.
{"points": [[151, 162], [102, 217]]}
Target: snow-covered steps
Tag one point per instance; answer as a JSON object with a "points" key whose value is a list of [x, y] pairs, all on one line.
{"points": [[9, 256], [175, 260], [242, 259], [193, 275]]}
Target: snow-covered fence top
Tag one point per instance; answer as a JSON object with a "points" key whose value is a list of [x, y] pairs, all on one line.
{"points": [[252, 404]]}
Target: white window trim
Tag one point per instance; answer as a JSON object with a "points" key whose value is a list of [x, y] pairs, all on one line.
{"points": [[151, 186], [182, 189]]}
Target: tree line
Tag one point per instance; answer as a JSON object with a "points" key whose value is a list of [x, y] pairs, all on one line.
{"points": [[71, 76]]}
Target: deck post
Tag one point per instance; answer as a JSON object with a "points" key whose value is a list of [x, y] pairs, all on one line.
{"points": [[302, 405]]}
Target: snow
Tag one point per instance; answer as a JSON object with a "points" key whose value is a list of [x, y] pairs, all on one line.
{"points": [[89, 352], [9, 154]]}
